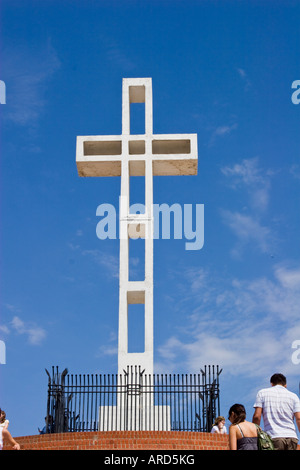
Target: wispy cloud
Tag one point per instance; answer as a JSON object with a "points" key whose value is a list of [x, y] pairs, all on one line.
{"points": [[247, 177], [242, 73], [288, 278], [4, 329], [27, 73], [245, 326], [246, 172], [247, 229], [109, 262], [34, 333], [222, 131], [12, 308], [110, 348], [115, 52], [295, 171]]}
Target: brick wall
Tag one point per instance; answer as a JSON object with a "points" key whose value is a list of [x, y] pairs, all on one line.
{"points": [[125, 440]]}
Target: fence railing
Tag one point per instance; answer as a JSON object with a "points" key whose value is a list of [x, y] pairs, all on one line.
{"points": [[133, 401]]}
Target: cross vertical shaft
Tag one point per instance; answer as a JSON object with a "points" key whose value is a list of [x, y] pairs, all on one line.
{"points": [[132, 292]]}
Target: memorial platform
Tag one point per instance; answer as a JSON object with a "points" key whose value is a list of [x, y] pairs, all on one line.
{"points": [[125, 440]]}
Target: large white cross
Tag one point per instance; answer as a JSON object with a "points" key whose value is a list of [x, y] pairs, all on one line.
{"points": [[128, 155]]}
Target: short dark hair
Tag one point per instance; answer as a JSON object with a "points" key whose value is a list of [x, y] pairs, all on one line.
{"points": [[278, 379], [239, 411]]}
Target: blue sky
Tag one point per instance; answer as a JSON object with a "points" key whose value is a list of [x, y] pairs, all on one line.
{"points": [[221, 69]]}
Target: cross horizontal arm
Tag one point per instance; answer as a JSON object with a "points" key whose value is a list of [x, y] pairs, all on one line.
{"points": [[171, 154]]}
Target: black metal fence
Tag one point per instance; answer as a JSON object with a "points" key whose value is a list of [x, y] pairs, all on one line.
{"points": [[133, 401]]}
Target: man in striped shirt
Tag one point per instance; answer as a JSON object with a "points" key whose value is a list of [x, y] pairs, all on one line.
{"points": [[279, 408]]}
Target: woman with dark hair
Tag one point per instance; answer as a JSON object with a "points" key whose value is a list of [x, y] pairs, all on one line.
{"points": [[3, 421], [242, 433]]}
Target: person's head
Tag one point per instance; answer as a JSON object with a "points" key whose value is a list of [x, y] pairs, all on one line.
{"points": [[2, 416], [278, 379], [237, 414], [219, 421]]}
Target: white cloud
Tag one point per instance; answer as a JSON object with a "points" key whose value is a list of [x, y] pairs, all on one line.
{"points": [[35, 334], [111, 348], [249, 225], [288, 278], [248, 230], [237, 352], [248, 175], [4, 329], [247, 327], [242, 73], [104, 350], [109, 262], [222, 131], [196, 277], [260, 198], [295, 171], [247, 171]]}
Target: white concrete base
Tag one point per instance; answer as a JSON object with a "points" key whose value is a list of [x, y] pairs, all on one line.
{"points": [[151, 418]]}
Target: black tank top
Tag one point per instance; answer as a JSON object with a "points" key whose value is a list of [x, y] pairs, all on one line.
{"points": [[246, 443]]}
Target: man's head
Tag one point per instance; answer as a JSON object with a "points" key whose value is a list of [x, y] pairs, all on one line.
{"points": [[278, 379]]}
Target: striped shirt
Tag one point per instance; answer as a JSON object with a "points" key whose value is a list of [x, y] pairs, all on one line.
{"points": [[278, 408]]}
